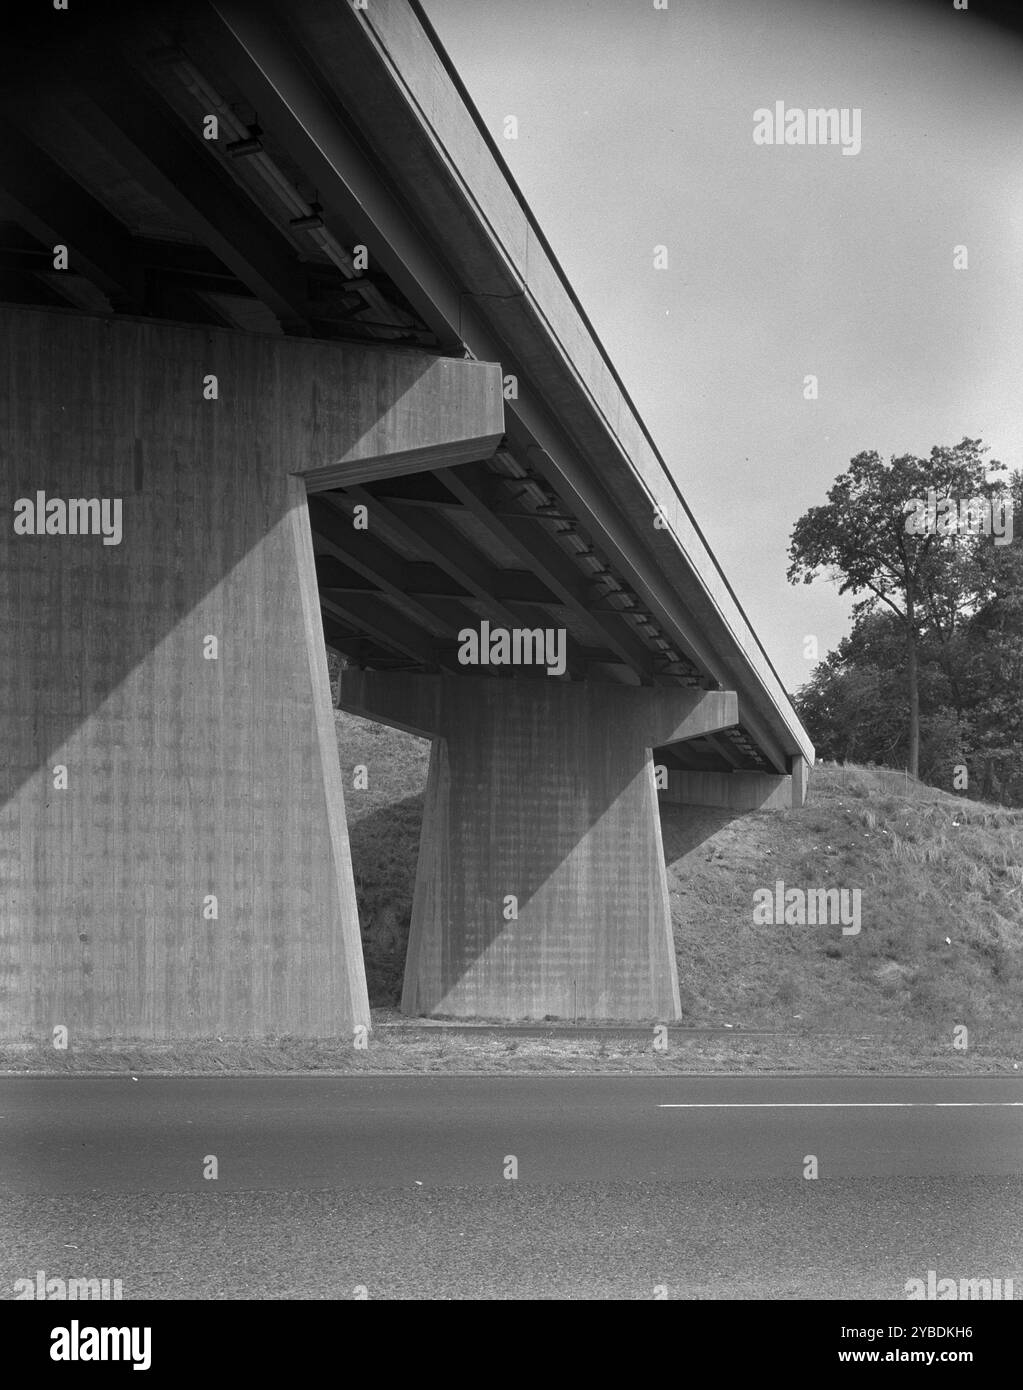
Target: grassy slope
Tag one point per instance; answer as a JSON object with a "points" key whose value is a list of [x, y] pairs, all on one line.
{"points": [[929, 867], [384, 820]]}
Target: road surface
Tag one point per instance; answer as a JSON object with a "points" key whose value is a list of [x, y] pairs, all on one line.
{"points": [[626, 1187]]}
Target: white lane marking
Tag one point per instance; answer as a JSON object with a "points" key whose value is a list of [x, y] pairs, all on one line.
{"points": [[832, 1104]]}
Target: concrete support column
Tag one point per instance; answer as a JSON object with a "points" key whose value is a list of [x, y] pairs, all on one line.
{"points": [[174, 856], [541, 886]]}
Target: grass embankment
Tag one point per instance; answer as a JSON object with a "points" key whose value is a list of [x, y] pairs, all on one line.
{"points": [[384, 820]]}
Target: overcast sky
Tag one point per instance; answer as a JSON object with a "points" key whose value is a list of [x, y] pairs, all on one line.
{"points": [[635, 129]]}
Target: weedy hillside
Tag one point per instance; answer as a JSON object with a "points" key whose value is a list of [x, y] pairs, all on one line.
{"points": [[941, 879]]}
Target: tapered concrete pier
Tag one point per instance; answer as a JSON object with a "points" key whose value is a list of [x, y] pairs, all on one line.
{"points": [[174, 850], [541, 885]]}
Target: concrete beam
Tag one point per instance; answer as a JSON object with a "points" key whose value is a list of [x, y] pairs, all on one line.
{"points": [[734, 791], [446, 412], [409, 702], [663, 716], [725, 750], [672, 716], [444, 545], [334, 535], [527, 537], [391, 629]]}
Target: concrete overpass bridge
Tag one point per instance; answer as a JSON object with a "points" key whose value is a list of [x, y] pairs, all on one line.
{"points": [[289, 363]]}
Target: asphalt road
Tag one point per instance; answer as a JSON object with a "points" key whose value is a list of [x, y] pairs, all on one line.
{"points": [[625, 1185]]}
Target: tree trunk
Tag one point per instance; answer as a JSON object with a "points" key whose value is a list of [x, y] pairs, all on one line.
{"points": [[914, 690]]}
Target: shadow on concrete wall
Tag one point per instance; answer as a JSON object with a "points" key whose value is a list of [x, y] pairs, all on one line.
{"points": [[111, 408]]}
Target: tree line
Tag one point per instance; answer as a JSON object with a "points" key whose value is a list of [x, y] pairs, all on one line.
{"points": [[931, 675]]}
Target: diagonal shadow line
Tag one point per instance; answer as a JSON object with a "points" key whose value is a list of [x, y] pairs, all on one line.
{"points": [[80, 420]]}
